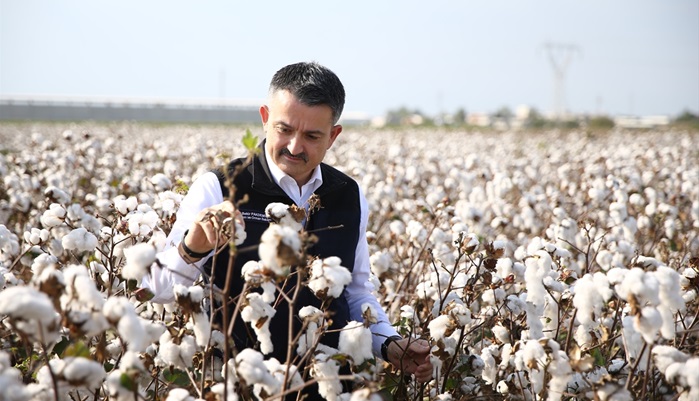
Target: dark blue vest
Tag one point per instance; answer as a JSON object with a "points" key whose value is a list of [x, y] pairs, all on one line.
{"points": [[336, 224]]}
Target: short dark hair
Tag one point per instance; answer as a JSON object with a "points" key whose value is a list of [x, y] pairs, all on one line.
{"points": [[312, 84]]}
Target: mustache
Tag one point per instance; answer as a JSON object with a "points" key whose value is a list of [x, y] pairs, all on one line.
{"points": [[302, 156]]}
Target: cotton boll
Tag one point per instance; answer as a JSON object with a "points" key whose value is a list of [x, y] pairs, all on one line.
{"points": [[11, 382], [279, 248], [583, 338], [161, 182], [250, 367], [501, 333], [284, 215], [355, 341], [179, 394], [612, 392], [82, 300], [374, 285], [168, 202], [328, 277], [407, 312], [416, 232], [132, 332], [648, 323], [515, 304], [54, 216], [537, 268], [644, 222], [504, 267], [57, 195], [125, 205], [380, 262], [279, 373], [502, 387], [255, 311], [366, 394], [177, 355], [139, 259], [80, 240], [83, 371], [202, 328], [489, 373], [326, 370], [42, 262], [369, 313], [27, 304], [36, 236], [633, 341], [440, 326], [670, 290], [664, 356], [397, 228], [588, 298]]}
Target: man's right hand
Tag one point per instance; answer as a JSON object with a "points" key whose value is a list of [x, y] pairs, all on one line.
{"points": [[206, 231]]}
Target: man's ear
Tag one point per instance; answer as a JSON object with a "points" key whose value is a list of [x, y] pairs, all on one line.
{"points": [[334, 133], [264, 114]]}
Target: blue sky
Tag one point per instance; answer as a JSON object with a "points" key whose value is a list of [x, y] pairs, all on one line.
{"points": [[635, 56]]}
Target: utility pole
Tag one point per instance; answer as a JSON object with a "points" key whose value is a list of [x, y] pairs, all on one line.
{"points": [[560, 55]]}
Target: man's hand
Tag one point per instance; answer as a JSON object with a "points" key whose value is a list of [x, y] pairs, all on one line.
{"points": [[206, 231], [412, 356]]}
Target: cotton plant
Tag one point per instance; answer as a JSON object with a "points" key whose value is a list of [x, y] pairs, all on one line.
{"points": [[31, 313], [122, 384], [679, 369], [82, 303], [314, 319], [11, 380], [190, 300], [69, 376], [598, 218]]}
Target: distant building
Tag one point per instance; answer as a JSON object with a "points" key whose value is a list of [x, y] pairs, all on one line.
{"points": [[478, 119], [55, 108], [641, 121]]}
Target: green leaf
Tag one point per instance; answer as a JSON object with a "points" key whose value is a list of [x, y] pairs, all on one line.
{"points": [[599, 358], [77, 349], [181, 187], [131, 284], [144, 294], [176, 377], [453, 383], [24, 364], [127, 382], [250, 141], [61, 346]]}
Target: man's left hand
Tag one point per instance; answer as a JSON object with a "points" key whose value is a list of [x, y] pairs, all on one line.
{"points": [[412, 356]]}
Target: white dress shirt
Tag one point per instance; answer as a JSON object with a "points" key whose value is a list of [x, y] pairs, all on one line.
{"points": [[206, 192]]}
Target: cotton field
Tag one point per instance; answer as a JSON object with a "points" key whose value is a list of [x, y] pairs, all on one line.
{"points": [[539, 266]]}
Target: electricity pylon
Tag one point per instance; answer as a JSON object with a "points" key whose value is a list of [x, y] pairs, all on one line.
{"points": [[560, 56]]}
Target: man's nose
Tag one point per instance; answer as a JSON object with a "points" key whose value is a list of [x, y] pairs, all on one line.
{"points": [[295, 145]]}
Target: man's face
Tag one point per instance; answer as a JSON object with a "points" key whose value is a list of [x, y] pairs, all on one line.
{"points": [[297, 135]]}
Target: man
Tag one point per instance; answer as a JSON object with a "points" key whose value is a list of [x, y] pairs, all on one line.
{"points": [[300, 122]]}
